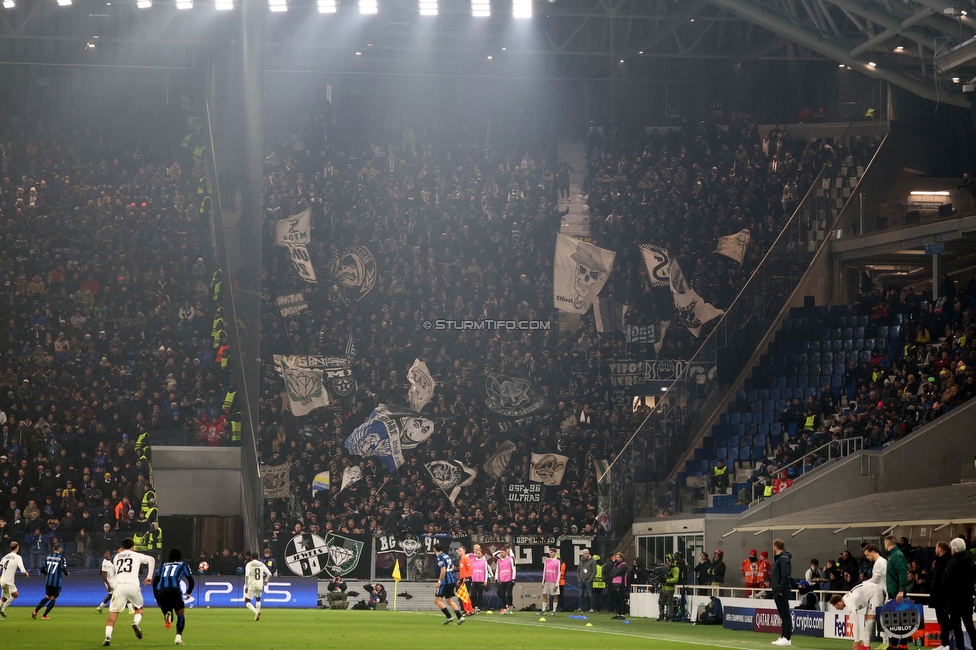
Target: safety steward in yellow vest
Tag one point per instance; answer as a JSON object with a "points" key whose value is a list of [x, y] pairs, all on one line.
{"points": [[720, 477]]}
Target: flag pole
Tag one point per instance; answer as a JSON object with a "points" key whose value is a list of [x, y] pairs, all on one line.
{"points": [[395, 585]]}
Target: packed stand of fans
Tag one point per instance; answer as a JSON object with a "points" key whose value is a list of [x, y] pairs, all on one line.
{"points": [[464, 231], [110, 340], [926, 374]]}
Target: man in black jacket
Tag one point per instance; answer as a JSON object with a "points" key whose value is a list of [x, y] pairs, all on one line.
{"points": [[781, 586], [936, 597], [957, 591]]}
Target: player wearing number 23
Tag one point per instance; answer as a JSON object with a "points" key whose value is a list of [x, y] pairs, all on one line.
{"points": [[128, 563]]}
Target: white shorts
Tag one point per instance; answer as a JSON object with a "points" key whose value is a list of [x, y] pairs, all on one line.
{"points": [[8, 588], [253, 591], [550, 588], [123, 595]]}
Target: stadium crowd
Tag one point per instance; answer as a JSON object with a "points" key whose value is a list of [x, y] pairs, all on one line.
{"points": [[465, 231], [923, 376], [112, 336]]}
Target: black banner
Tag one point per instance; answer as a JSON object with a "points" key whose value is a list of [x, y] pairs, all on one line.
{"points": [[511, 404], [531, 493], [415, 553], [309, 555]]}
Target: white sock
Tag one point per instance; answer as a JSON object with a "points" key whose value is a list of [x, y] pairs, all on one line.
{"points": [[108, 631], [250, 607], [137, 619], [257, 608]]}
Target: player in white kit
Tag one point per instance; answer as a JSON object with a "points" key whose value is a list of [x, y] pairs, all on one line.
{"points": [[9, 565], [864, 599], [256, 577], [127, 565]]}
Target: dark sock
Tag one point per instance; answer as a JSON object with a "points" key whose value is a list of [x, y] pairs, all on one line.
{"points": [[457, 612], [50, 605], [180, 623], [447, 612], [40, 604]]}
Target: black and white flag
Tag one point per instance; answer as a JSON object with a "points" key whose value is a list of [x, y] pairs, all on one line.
{"points": [[734, 246], [306, 391], [511, 403], [548, 469], [579, 272], [355, 270], [451, 476], [421, 385], [658, 263], [609, 315], [497, 463], [351, 475], [295, 230]]}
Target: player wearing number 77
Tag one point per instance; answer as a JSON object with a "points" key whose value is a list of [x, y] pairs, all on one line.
{"points": [[864, 599], [127, 566], [256, 576]]}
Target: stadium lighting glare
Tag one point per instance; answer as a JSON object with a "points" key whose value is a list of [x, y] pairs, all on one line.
{"points": [[368, 7], [900, 48], [955, 80], [872, 64], [143, 4], [184, 4], [521, 8], [223, 5], [428, 7], [841, 65], [8, 4], [64, 3], [489, 57], [480, 8], [326, 6], [277, 5]]}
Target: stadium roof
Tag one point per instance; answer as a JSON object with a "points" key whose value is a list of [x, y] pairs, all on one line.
{"points": [[680, 41], [941, 506]]}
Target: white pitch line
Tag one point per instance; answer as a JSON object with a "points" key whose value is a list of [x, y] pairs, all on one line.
{"points": [[601, 630]]}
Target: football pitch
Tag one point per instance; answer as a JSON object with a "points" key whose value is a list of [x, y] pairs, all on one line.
{"points": [[235, 629]]}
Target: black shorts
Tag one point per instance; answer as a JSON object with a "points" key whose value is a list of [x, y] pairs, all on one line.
{"points": [[169, 600], [446, 590], [52, 592]]}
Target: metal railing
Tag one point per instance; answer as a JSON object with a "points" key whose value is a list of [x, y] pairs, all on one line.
{"points": [[833, 450], [753, 593]]}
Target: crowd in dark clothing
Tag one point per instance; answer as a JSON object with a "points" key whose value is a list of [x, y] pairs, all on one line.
{"points": [[465, 231], [109, 308]]}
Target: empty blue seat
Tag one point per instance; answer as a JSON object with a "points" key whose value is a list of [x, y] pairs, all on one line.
{"points": [[774, 394], [814, 346], [802, 369], [746, 418], [763, 393], [752, 395], [738, 430], [882, 332], [802, 382], [792, 427], [894, 332], [846, 346], [781, 382], [721, 453], [859, 333], [740, 396], [865, 356], [814, 370], [769, 406], [811, 392], [735, 417], [723, 418]]}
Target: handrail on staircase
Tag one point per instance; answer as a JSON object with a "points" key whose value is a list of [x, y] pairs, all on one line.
{"points": [[835, 449]]}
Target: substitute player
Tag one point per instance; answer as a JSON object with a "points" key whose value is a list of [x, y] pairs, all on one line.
{"points": [[54, 568], [444, 596], [168, 592], [127, 566], [550, 581], [9, 565], [256, 576], [864, 599]]}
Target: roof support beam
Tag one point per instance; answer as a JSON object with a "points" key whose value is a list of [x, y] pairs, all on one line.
{"points": [[888, 33], [888, 21], [779, 25]]}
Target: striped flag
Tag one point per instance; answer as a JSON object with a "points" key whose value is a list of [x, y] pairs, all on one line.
{"points": [[321, 483], [602, 467]]}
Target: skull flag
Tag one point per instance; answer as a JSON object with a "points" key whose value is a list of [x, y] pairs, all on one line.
{"points": [[387, 432], [580, 270], [511, 404], [451, 476]]}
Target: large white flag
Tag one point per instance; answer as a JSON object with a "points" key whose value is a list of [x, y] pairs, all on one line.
{"points": [[579, 272], [294, 230], [302, 262], [548, 469], [421, 385], [305, 390], [734, 246], [351, 475], [451, 476], [691, 309]]}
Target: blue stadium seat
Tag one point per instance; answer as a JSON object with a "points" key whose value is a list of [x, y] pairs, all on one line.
{"points": [[781, 383], [814, 370], [865, 356], [740, 396], [882, 332], [859, 333], [774, 394], [746, 418], [814, 346], [792, 427], [763, 393], [858, 346], [894, 333], [869, 344], [811, 392], [721, 453], [735, 417], [837, 346], [723, 418]]}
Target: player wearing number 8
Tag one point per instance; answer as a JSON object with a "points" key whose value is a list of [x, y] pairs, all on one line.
{"points": [[256, 576], [168, 590], [127, 566]]}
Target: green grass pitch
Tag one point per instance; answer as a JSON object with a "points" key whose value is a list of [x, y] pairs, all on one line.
{"points": [[236, 629]]}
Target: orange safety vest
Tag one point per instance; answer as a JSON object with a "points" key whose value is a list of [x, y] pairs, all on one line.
{"points": [[750, 571], [562, 574], [464, 567]]}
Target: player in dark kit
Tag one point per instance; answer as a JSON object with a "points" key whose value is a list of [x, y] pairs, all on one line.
{"points": [[169, 594], [54, 568], [444, 596]]}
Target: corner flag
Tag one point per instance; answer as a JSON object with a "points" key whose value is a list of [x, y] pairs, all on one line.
{"points": [[396, 570]]}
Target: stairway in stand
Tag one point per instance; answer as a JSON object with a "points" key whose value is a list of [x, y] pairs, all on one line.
{"points": [[576, 223]]}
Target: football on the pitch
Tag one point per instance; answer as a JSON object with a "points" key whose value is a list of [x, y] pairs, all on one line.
{"points": [[204, 566]]}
